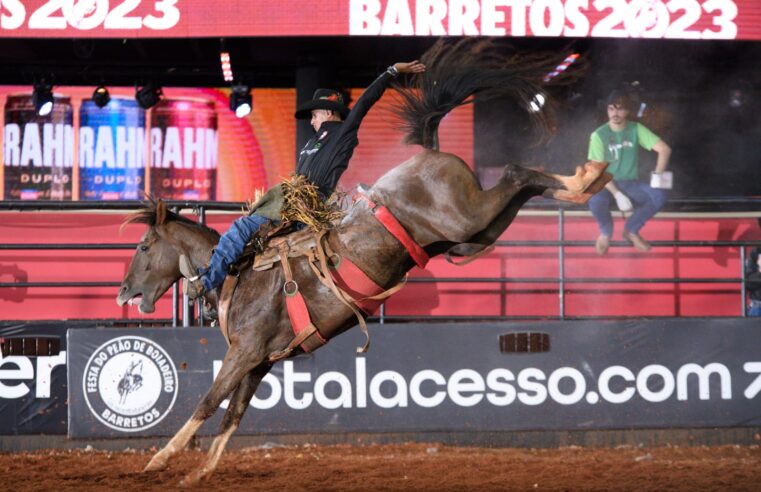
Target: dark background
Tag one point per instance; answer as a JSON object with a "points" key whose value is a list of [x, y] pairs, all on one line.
{"points": [[687, 86]]}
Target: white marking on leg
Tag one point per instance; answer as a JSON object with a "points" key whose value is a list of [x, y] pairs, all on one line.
{"points": [[177, 443], [217, 447], [212, 459]]}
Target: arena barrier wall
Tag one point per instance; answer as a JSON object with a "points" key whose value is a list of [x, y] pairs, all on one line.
{"points": [[432, 378], [33, 387]]}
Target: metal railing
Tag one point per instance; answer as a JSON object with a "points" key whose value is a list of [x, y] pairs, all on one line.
{"points": [[181, 310]]}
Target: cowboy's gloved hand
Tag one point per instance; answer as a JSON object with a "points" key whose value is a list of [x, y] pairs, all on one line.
{"points": [[622, 201], [412, 67]]}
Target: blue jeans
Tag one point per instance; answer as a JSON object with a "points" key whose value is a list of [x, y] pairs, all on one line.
{"points": [[228, 250], [754, 308], [645, 200]]}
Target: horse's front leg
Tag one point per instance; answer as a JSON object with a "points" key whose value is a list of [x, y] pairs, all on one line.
{"points": [[234, 367], [238, 405]]}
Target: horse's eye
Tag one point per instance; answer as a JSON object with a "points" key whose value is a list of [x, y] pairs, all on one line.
{"points": [[143, 247]]}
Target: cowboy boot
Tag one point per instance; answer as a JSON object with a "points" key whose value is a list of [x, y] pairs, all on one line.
{"points": [[636, 240], [192, 286]]}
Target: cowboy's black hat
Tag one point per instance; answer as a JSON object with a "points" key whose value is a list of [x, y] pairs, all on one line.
{"points": [[323, 99]]}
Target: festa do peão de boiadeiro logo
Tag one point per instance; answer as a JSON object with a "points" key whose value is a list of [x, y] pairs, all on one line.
{"points": [[130, 383]]}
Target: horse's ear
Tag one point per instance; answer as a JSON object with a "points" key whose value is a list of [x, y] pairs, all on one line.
{"points": [[160, 213]]}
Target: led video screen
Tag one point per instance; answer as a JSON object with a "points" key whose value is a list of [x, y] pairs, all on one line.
{"points": [[190, 146]]}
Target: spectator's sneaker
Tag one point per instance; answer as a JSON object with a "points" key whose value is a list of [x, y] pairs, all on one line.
{"points": [[637, 240], [192, 286], [602, 244]]}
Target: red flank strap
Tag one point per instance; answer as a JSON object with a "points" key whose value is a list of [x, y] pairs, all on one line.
{"points": [[299, 315], [358, 285], [393, 226]]}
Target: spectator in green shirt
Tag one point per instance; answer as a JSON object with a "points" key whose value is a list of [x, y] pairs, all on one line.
{"points": [[753, 279], [616, 143]]}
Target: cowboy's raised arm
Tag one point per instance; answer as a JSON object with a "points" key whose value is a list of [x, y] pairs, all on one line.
{"points": [[375, 90]]}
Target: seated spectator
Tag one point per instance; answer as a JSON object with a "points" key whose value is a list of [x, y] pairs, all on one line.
{"points": [[753, 279], [617, 142]]}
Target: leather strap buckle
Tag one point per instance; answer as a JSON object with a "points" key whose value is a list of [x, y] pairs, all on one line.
{"points": [[295, 286], [334, 261]]}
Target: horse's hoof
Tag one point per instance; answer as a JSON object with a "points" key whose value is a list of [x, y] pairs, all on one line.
{"points": [[191, 480], [568, 196], [592, 171], [155, 465]]}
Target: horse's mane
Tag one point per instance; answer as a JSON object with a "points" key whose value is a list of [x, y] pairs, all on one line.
{"points": [[155, 213], [457, 70]]}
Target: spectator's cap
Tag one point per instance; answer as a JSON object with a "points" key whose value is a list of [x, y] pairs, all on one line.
{"points": [[619, 98], [323, 99]]}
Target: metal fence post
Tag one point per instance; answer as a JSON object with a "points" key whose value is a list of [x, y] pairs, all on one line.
{"points": [[200, 302], [175, 304], [743, 287], [561, 263], [178, 307]]}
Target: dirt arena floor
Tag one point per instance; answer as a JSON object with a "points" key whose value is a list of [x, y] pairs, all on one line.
{"points": [[399, 467]]}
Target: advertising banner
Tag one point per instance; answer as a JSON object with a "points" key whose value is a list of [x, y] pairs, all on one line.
{"points": [[190, 146], [433, 377], [668, 19], [33, 387]]}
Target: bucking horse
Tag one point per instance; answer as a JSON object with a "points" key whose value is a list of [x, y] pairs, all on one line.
{"points": [[431, 204]]}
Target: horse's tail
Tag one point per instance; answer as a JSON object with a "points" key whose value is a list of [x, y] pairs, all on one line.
{"points": [[457, 70]]}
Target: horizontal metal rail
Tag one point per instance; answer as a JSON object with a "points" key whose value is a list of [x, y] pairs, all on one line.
{"points": [[68, 246], [613, 244], [433, 318], [127, 205], [705, 204], [576, 280], [58, 284], [504, 244]]}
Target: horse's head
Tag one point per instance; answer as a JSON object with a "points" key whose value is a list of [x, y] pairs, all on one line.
{"points": [[155, 265]]}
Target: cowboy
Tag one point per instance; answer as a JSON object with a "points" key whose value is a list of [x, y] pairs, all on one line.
{"points": [[322, 161]]}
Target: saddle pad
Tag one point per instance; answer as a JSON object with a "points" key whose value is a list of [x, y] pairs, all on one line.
{"points": [[299, 243]]}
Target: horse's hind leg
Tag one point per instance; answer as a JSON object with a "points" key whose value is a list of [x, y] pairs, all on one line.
{"points": [[238, 405], [584, 177], [518, 185], [497, 226], [232, 372], [580, 187]]}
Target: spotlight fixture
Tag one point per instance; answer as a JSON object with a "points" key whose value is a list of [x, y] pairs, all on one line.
{"points": [[736, 98], [100, 96], [536, 104], [148, 95], [240, 100], [227, 67], [42, 98]]}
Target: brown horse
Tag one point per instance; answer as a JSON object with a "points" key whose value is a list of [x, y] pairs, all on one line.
{"points": [[434, 195]]}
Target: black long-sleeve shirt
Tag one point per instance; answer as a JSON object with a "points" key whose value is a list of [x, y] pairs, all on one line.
{"points": [[326, 155]]}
